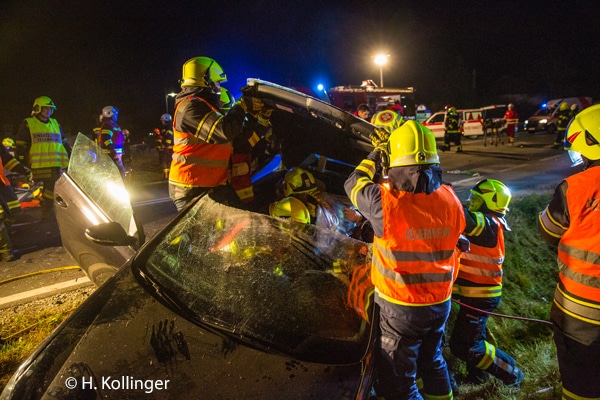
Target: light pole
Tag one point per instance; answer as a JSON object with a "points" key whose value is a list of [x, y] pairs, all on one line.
{"points": [[381, 60], [172, 94]]}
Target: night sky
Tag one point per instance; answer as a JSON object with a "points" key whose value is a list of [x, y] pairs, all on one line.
{"points": [[86, 55]]}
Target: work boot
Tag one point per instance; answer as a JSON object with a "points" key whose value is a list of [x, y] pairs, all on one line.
{"points": [[445, 147], [517, 383], [7, 256], [459, 149]]}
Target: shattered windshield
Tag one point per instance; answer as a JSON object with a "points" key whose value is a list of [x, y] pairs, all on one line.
{"points": [[280, 283]]}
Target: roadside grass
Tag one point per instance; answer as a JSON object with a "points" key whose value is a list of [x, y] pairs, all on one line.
{"points": [[530, 276], [529, 281]]}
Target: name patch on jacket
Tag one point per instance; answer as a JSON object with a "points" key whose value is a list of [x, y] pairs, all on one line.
{"points": [[427, 233]]}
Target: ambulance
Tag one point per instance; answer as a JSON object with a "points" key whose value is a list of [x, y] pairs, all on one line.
{"points": [[471, 120]]}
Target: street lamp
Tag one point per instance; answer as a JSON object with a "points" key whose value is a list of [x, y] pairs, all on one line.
{"points": [[172, 94], [380, 60]]}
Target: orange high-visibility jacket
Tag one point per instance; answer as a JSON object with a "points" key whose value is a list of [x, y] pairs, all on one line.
{"points": [[578, 292], [196, 161], [416, 260]]}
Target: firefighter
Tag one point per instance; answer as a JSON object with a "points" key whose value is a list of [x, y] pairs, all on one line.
{"points": [[301, 184], [111, 138], [388, 120], [479, 285], [292, 208], [41, 141], [563, 118], [571, 222], [452, 133], [413, 266], [511, 117], [226, 100], [165, 149], [206, 142], [10, 207]]}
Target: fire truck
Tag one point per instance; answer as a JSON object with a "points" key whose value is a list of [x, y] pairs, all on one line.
{"points": [[377, 98]]}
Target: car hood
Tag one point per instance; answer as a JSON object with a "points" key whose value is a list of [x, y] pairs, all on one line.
{"points": [[123, 343]]}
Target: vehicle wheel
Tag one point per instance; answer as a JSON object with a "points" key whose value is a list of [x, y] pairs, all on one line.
{"points": [[551, 129]]}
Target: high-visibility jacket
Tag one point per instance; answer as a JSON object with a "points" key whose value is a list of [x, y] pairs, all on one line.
{"points": [[483, 265], [196, 161], [576, 308], [47, 149], [416, 259], [110, 138]]}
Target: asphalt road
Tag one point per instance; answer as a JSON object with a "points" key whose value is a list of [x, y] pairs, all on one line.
{"points": [[45, 268]]}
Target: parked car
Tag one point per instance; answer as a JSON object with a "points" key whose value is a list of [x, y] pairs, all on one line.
{"points": [[225, 302], [546, 117], [472, 120]]}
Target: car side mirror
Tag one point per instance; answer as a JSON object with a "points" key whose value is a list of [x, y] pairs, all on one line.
{"points": [[109, 234]]}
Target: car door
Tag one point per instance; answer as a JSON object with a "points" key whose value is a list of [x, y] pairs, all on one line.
{"points": [[92, 194], [436, 124]]}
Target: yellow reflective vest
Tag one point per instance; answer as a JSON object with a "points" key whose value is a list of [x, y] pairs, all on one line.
{"points": [[47, 149]]}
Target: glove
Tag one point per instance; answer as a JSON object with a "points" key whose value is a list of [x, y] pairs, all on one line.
{"points": [[29, 175], [252, 105], [379, 137]]}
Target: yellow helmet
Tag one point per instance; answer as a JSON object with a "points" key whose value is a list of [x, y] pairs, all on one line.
{"points": [[42, 101], [388, 120], [227, 100], [412, 144], [9, 143], [493, 193], [563, 106], [452, 110], [583, 135], [291, 208], [298, 180], [202, 72]]}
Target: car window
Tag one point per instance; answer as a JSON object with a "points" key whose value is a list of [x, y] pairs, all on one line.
{"points": [[437, 118], [98, 176], [281, 283]]}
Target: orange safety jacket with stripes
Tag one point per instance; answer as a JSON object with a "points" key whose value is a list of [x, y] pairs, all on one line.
{"points": [[416, 259], [47, 148], [482, 265], [576, 308], [197, 160]]}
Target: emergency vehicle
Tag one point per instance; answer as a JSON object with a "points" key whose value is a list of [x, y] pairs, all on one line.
{"points": [[471, 120], [377, 98]]}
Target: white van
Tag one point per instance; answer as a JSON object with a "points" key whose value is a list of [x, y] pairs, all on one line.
{"points": [[544, 119], [471, 120]]}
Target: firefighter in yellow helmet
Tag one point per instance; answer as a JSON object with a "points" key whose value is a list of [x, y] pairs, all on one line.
{"points": [[387, 119], [41, 140], [452, 133], [211, 150], [301, 184], [292, 208], [413, 264], [479, 285], [563, 118], [571, 223]]}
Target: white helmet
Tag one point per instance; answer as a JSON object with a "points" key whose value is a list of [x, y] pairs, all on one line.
{"points": [[110, 112], [166, 118]]}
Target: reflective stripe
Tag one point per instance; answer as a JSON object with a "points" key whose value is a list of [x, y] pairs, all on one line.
{"points": [[566, 395], [414, 255], [480, 224], [488, 358], [580, 309], [483, 259], [477, 291], [550, 225], [412, 278], [200, 161], [360, 184]]}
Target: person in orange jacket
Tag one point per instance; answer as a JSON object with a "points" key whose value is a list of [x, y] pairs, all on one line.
{"points": [[571, 223], [413, 286]]}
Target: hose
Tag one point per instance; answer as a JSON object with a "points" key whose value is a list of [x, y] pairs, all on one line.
{"points": [[45, 271], [503, 315]]}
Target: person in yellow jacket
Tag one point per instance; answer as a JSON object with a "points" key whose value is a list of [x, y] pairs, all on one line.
{"points": [[571, 222], [418, 222], [210, 149], [41, 138], [479, 285]]}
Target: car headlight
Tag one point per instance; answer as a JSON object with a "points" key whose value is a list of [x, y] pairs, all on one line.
{"points": [[543, 121]]}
